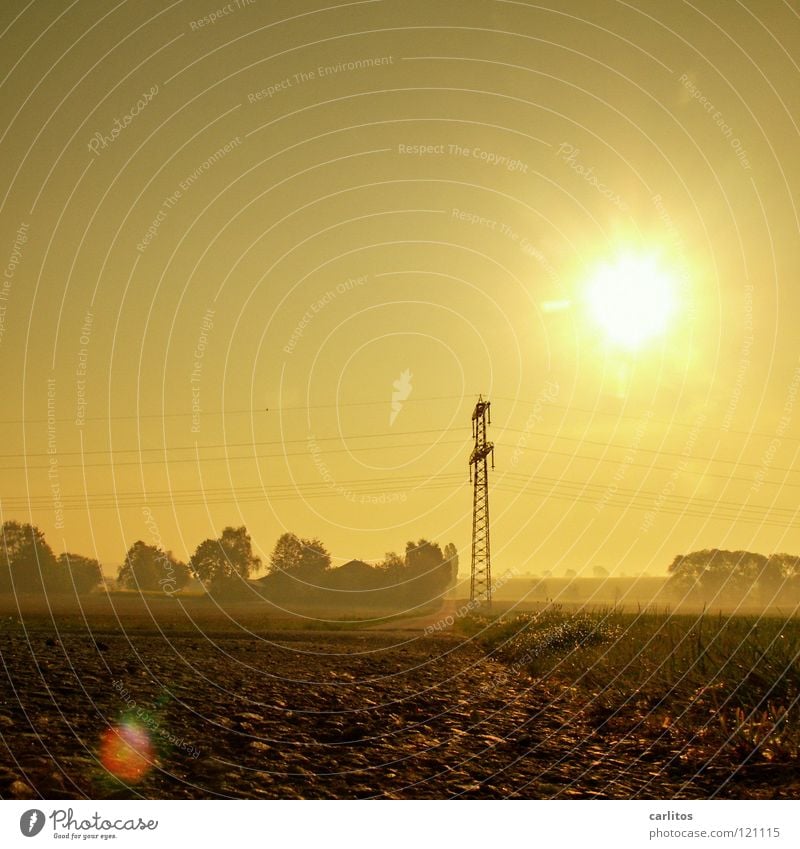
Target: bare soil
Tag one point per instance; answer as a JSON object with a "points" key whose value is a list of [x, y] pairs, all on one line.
{"points": [[238, 708]]}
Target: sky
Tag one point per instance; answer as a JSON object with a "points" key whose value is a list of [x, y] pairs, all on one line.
{"points": [[261, 259]]}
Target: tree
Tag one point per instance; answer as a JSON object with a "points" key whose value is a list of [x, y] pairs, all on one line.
{"points": [[287, 555], [789, 564], [307, 558], [183, 574], [316, 558], [140, 569], [720, 575], [209, 563], [600, 572], [392, 564], [225, 562], [790, 570], [27, 563], [78, 573], [423, 556], [451, 557], [238, 546], [147, 567], [770, 577], [428, 574]]}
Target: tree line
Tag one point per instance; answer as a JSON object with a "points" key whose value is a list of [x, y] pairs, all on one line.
{"points": [[227, 566], [29, 565], [301, 569], [720, 575]]}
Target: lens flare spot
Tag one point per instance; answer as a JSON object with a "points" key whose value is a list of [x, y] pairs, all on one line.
{"points": [[126, 751]]}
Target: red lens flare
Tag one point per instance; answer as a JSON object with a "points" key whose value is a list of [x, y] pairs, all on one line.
{"points": [[126, 752]]}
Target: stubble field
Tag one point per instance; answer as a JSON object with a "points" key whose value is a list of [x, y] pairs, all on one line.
{"points": [[178, 702]]}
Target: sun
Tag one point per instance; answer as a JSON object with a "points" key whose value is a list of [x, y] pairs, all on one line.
{"points": [[631, 299]]}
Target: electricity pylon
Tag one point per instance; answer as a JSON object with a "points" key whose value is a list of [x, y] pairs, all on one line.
{"points": [[480, 588]]}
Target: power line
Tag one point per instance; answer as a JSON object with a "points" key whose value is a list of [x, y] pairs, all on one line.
{"points": [[547, 488], [195, 460], [639, 494], [226, 444], [640, 417], [260, 490], [651, 467], [398, 445], [383, 402], [548, 452], [517, 484], [243, 411], [728, 516], [656, 451]]}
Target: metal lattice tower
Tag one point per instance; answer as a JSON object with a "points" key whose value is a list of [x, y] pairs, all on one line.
{"points": [[481, 578]]}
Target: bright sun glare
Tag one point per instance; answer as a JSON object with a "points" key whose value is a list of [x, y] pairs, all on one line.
{"points": [[632, 299]]}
